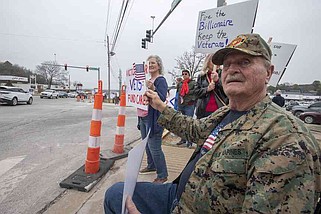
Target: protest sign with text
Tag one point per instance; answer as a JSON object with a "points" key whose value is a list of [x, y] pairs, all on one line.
{"points": [[136, 86], [217, 27], [281, 56]]}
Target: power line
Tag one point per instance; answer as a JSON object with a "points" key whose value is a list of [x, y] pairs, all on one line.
{"points": [[122, 29], [107, 19], [53, 38], [120, 23], [118, 20]]}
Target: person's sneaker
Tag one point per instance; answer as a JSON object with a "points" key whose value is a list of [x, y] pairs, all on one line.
{"points": [[160, 180], [147, 171], [180, 142]]}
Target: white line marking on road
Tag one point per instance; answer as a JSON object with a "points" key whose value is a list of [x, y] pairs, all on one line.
{"points": [[9, 163]]}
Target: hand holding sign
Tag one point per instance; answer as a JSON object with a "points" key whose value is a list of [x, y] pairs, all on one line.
{"points": [[211, 86], [214, 76], [150, 85]]}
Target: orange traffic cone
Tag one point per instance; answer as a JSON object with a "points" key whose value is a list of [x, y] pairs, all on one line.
{"points": [[92, 160], [120, 129]]}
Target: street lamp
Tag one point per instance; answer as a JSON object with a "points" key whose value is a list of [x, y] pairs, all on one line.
{"points": [[153, 18]]}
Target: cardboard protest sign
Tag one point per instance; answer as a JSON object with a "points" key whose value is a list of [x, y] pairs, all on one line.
{"points": [[217, 27], [136, 86], [281, 56]]}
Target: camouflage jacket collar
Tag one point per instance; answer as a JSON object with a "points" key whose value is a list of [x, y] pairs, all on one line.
{"points": [[247, 121]]}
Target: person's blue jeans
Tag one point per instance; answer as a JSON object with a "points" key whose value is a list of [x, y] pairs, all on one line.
{"points": [[143, 123], [154, 145], [189, 111], [148, 198], [155, 154]]}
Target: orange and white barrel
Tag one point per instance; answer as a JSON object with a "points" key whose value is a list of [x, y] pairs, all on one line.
{"points": [[120, 129], [93, 150]]}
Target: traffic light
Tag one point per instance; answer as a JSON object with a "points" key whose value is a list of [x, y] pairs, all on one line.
{"points": [[65, 67], [144, 43], [148, 35], [87, 68]]}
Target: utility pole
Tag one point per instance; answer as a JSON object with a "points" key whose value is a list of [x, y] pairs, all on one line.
{"points": [[109, 54], [108, 73], [119, 82]]}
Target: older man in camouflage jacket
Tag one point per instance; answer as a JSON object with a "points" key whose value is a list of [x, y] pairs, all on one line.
{"points": [[252, 156]]}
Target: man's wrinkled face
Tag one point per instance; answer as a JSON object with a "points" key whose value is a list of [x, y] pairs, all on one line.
{"points": [[244, 75]]}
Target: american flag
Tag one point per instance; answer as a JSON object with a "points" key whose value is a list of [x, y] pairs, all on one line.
{"points": [[139, 71]]}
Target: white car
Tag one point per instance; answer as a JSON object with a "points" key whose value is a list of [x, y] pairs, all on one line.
{"points": [[49, 93], [14, 95]]}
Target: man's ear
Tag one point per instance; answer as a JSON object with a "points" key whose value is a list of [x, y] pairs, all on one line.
{"points": [[269, 73]]}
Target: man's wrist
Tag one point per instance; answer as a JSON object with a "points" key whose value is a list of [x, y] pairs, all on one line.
{"points": [[162, 107]]}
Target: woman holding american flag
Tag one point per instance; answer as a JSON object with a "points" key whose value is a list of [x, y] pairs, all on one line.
{"points": [[155, 156]]}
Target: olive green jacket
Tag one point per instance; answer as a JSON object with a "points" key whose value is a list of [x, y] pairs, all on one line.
{"points": [[266, 161]]}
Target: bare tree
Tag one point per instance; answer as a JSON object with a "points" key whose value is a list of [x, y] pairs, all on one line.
{"points": [[50, 70], [173, 74], [191, 61]]}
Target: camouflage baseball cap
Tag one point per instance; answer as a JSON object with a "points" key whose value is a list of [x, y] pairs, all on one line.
{"points": [[251, 44]]}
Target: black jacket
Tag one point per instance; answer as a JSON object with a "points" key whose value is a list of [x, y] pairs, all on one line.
{"points": [[204, 96], [279, 100]]}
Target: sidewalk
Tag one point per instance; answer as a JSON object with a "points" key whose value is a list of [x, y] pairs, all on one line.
{"points": [[73, 201]]}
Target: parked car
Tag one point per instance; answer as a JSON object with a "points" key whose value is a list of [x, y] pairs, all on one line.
{"points": [[72, 94], [290, 105], [62, 94], [314, 107], [14, 95], [49, 93], [311, 117]]}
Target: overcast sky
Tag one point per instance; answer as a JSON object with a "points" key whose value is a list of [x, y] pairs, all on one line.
{"points": [[34, 31]]}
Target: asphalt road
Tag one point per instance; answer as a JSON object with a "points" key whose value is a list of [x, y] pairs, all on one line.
{"points": [[43, 143]]}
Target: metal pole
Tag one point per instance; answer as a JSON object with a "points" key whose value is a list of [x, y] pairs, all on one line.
{"points": [[108, 54], [153, 17], [221, 3], [98, 70], [120, 81]]}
